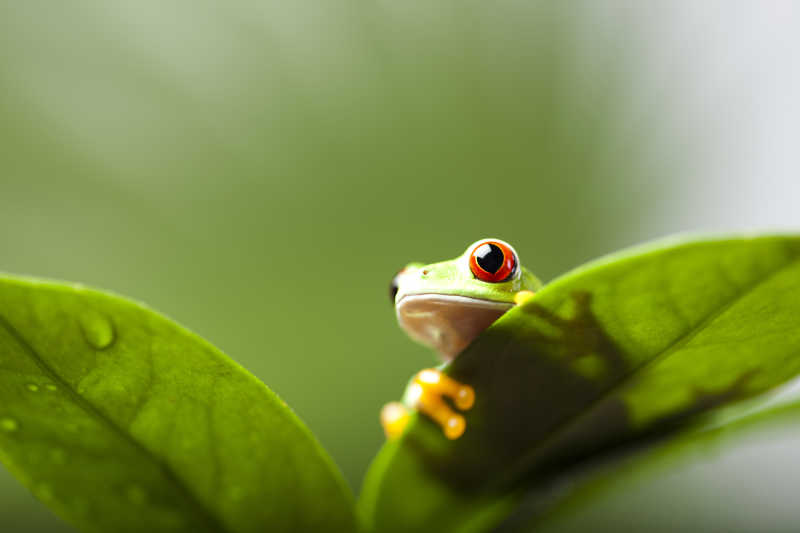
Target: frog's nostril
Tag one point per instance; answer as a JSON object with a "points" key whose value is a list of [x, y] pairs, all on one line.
{"points": [[393, 287]]}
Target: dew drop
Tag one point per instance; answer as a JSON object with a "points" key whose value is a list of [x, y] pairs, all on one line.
{"points": [[33, 387], [97, 330], [136, 494], [51, 387], [8, 425]]}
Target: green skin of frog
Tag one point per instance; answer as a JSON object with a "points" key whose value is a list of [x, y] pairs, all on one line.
{"points": [[445, 306]]}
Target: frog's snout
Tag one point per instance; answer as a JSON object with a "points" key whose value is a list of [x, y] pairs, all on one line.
{"points": [[394, 286]]}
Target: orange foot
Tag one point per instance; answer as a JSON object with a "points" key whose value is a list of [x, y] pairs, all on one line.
{"points": [[426, 394], [394, 418]]}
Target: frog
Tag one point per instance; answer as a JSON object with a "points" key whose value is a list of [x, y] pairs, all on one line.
{"points": [[446, 306]]}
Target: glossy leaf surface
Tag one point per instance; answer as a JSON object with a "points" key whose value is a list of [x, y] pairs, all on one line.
{"points": [[121, 420], [626, 346]]}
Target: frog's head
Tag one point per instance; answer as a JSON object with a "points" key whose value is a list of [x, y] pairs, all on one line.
{"points": [[446, 305]]}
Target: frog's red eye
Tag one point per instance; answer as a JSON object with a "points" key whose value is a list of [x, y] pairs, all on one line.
{"points": [[493, 261]]}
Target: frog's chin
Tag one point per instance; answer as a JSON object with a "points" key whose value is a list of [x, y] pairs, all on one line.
{"points": [[447, 323]]}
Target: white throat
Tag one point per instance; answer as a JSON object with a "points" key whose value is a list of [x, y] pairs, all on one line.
{"points": [[447, 323]]}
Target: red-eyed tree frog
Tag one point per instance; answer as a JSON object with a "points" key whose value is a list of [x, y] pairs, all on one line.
{"points": [[445, 306]]}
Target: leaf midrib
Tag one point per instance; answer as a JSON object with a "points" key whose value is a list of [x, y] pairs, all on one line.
{"points": [[684, 339], [201, 511]]}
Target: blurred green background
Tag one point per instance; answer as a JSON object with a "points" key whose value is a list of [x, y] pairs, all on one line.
{"points": [[259, 171]]}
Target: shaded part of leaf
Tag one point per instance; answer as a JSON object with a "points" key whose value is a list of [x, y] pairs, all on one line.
{"points": [[432, 510], [500, 429], [581, 397]]}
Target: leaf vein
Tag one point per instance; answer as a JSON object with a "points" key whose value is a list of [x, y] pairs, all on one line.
{"points": [[528, 460], [212, 521]]}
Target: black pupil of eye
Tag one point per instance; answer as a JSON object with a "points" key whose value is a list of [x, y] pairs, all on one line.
{"points": [[490, 257]]}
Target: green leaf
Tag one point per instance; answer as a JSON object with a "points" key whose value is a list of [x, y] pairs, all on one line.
{"points": [[628, 345], [740, 476], [121, 420]]}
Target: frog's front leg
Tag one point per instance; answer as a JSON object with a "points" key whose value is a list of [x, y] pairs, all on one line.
{"points": [[426, 393]]}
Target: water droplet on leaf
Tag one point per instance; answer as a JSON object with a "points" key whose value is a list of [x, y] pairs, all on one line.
{"points": [[33, 387], [97, 330], [8, 424], [51, 387]]}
